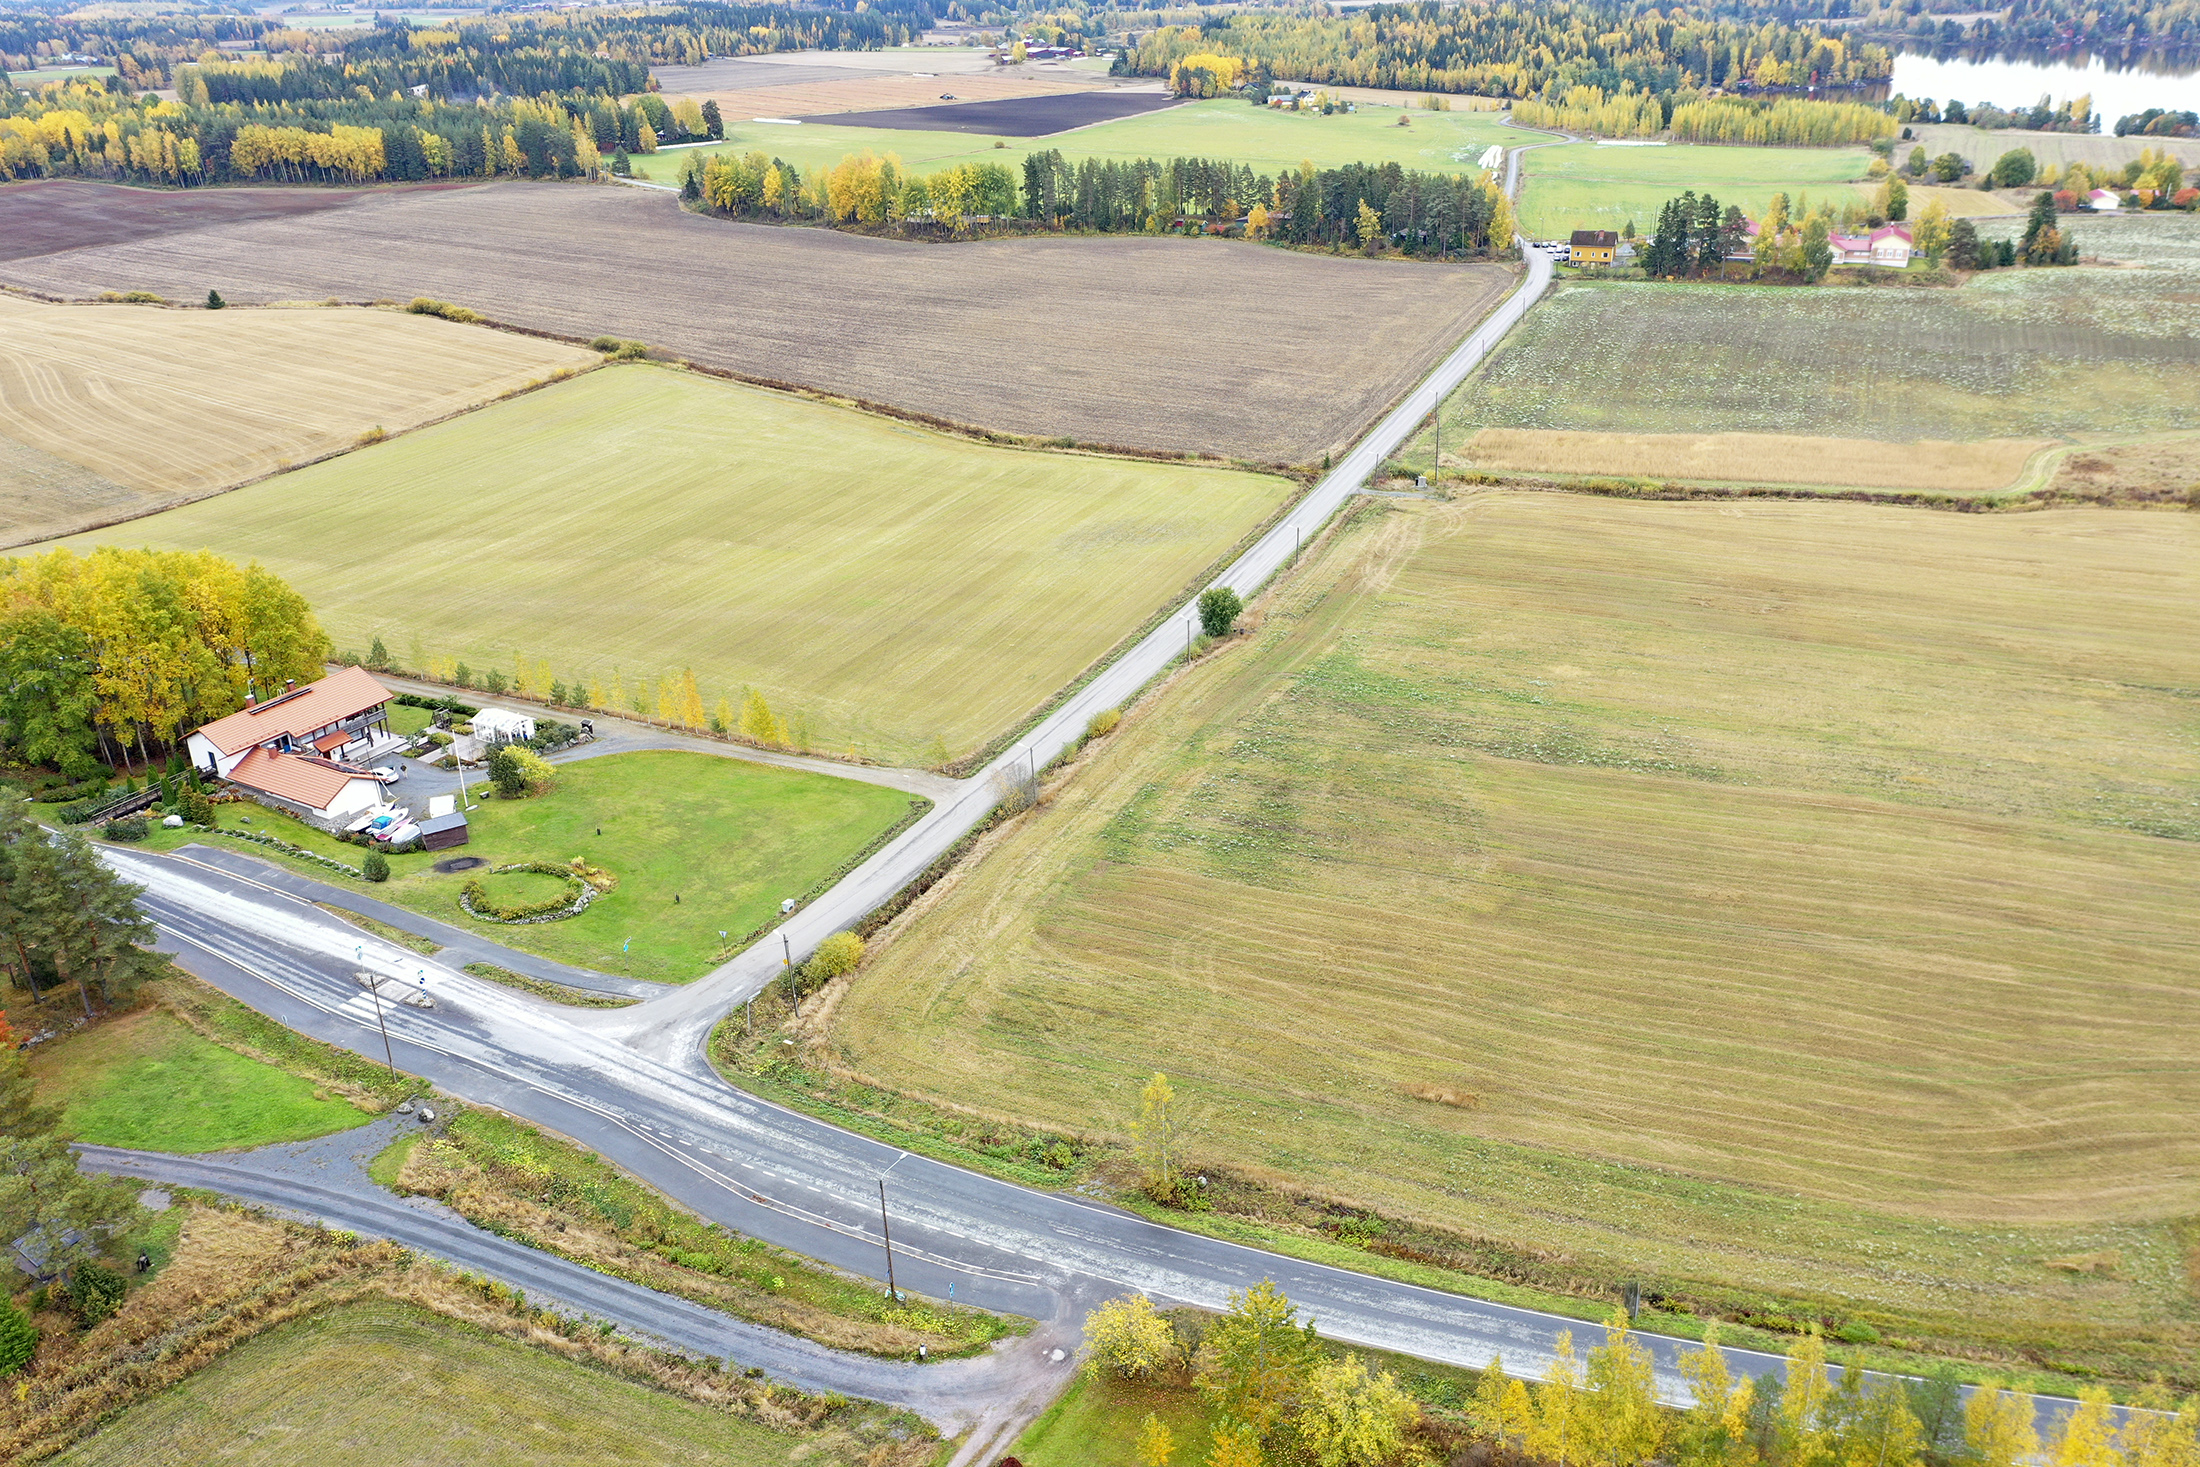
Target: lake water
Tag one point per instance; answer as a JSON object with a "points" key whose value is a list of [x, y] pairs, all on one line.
{"points": [[2021, 83]]}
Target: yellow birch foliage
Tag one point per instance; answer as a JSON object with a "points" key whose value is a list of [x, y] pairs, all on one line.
{"points": [[1128, 1337], [1620, 1420], [1156, 1443], [758, 722], [1556, 1433], [1997, 1427], [1715, 1430], [2086, 1439]]}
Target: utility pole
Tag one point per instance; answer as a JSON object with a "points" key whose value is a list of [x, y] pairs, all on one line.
{"points": [[359, 954], [888, 1235], [786, 950]]}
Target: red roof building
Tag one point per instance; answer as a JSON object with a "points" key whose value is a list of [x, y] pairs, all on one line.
{"points": [[286, 750]]}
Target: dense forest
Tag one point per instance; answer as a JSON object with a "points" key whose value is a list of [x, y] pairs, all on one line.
{"points": [[1357, 206], [524, 55], [1509, 49], [2124, 28], [1779, 120]]}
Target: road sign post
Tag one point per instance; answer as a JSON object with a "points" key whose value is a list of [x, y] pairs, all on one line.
{"points": [[886, 1233]]}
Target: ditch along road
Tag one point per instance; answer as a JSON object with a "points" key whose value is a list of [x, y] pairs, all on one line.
{"points": [[634, 1084]]}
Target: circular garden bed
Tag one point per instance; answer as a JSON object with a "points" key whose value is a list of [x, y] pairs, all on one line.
{"points": [[526, 891]]}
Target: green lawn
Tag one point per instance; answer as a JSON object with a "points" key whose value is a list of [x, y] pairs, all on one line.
{"points": [[148, 1082], [1583, 186], [382, 1383], [893, 591], [1096, 1422], [700, 843], [404, 720], [1269, 141]]}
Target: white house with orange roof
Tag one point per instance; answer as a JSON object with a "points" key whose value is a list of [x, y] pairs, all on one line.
{"points": [[297, 750]]}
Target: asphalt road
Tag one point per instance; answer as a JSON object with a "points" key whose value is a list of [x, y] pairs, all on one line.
{"points": [[633, 1084], [326, 1181]]}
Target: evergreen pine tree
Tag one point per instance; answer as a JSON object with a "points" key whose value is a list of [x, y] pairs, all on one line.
{"points": [[18, 1337]]}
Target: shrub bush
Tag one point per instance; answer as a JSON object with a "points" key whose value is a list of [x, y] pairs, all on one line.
{"points": [[196, 807], [128, 827], [427, 306], [1218, 610], [18, 1337], [95, 1293], [214, 301], [376, 867], [835, 956], [475, 899], [1103, 723]]}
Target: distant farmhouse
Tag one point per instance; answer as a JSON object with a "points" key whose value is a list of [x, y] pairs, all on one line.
{"points": [[1888, 245], [303, 750], [1592, 247]]}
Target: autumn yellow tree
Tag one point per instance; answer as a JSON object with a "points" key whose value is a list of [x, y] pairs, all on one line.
{"points": [[1714, 1432], [1620, 1420], [1156, 1443], [1933, 230], [1156, 1134], [2163, 1434], [1235, 1445], [2085, 1437], [1128, 1338], [1555, 1434], [1804, 1439], [691, 701], [721, 718], [1256, 1359], [1998, 1429], [1369, 226], [1349, 1418], [758, 722]]}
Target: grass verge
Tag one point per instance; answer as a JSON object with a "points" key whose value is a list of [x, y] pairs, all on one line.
{"points": [[426, 947], [547, 1193], [148, 1081], [542, 988]]}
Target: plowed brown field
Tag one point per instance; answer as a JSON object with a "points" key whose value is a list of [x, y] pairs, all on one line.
{"points": [[1133, 341]]}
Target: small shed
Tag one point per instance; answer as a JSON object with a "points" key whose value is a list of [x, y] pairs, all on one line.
{"points": [[496, 726], [441, 832]]}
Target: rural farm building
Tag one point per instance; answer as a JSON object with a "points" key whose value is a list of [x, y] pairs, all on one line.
{"points": [[345, 714], [1592, 247], [2101, 201], [1887, 245], [290, 752]]}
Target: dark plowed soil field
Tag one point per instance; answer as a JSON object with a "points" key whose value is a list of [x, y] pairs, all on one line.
{"points": [[48, 214], [1188, 345], [1010, 117]]}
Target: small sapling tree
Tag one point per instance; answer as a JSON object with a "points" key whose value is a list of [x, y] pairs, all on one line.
{"points": [[375, 867], [214, 301]]}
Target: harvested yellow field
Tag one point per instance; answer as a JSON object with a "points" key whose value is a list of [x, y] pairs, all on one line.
{"points": [[1753, 458], [866, 93], [1787, 903], [113, 411]]}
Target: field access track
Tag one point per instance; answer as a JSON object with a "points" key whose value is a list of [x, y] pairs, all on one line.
{"points": [[1101, 340]]}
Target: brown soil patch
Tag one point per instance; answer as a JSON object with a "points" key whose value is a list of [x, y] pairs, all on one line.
{"points": [[807, 98], [2132, 473], [48, 214], [1053, 337]]}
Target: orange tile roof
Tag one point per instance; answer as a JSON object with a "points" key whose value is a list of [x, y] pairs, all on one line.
{"points": [[296, 777], [316, 705]]}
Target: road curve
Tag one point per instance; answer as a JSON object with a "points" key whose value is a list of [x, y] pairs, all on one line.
{"points": [[325, 1181]]}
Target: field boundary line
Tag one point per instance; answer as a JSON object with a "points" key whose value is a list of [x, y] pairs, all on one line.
{"points": [[557, 375]]}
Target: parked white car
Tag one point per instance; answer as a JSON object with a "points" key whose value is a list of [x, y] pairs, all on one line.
{"points": [[388, 774]]}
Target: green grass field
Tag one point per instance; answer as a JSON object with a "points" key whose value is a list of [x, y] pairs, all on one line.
{"points": [[1785, 904], [1268, 141], [729, 838], [146, 1081], [1891, 365], [893, 590], [1584, 186], [380, 1382]]}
